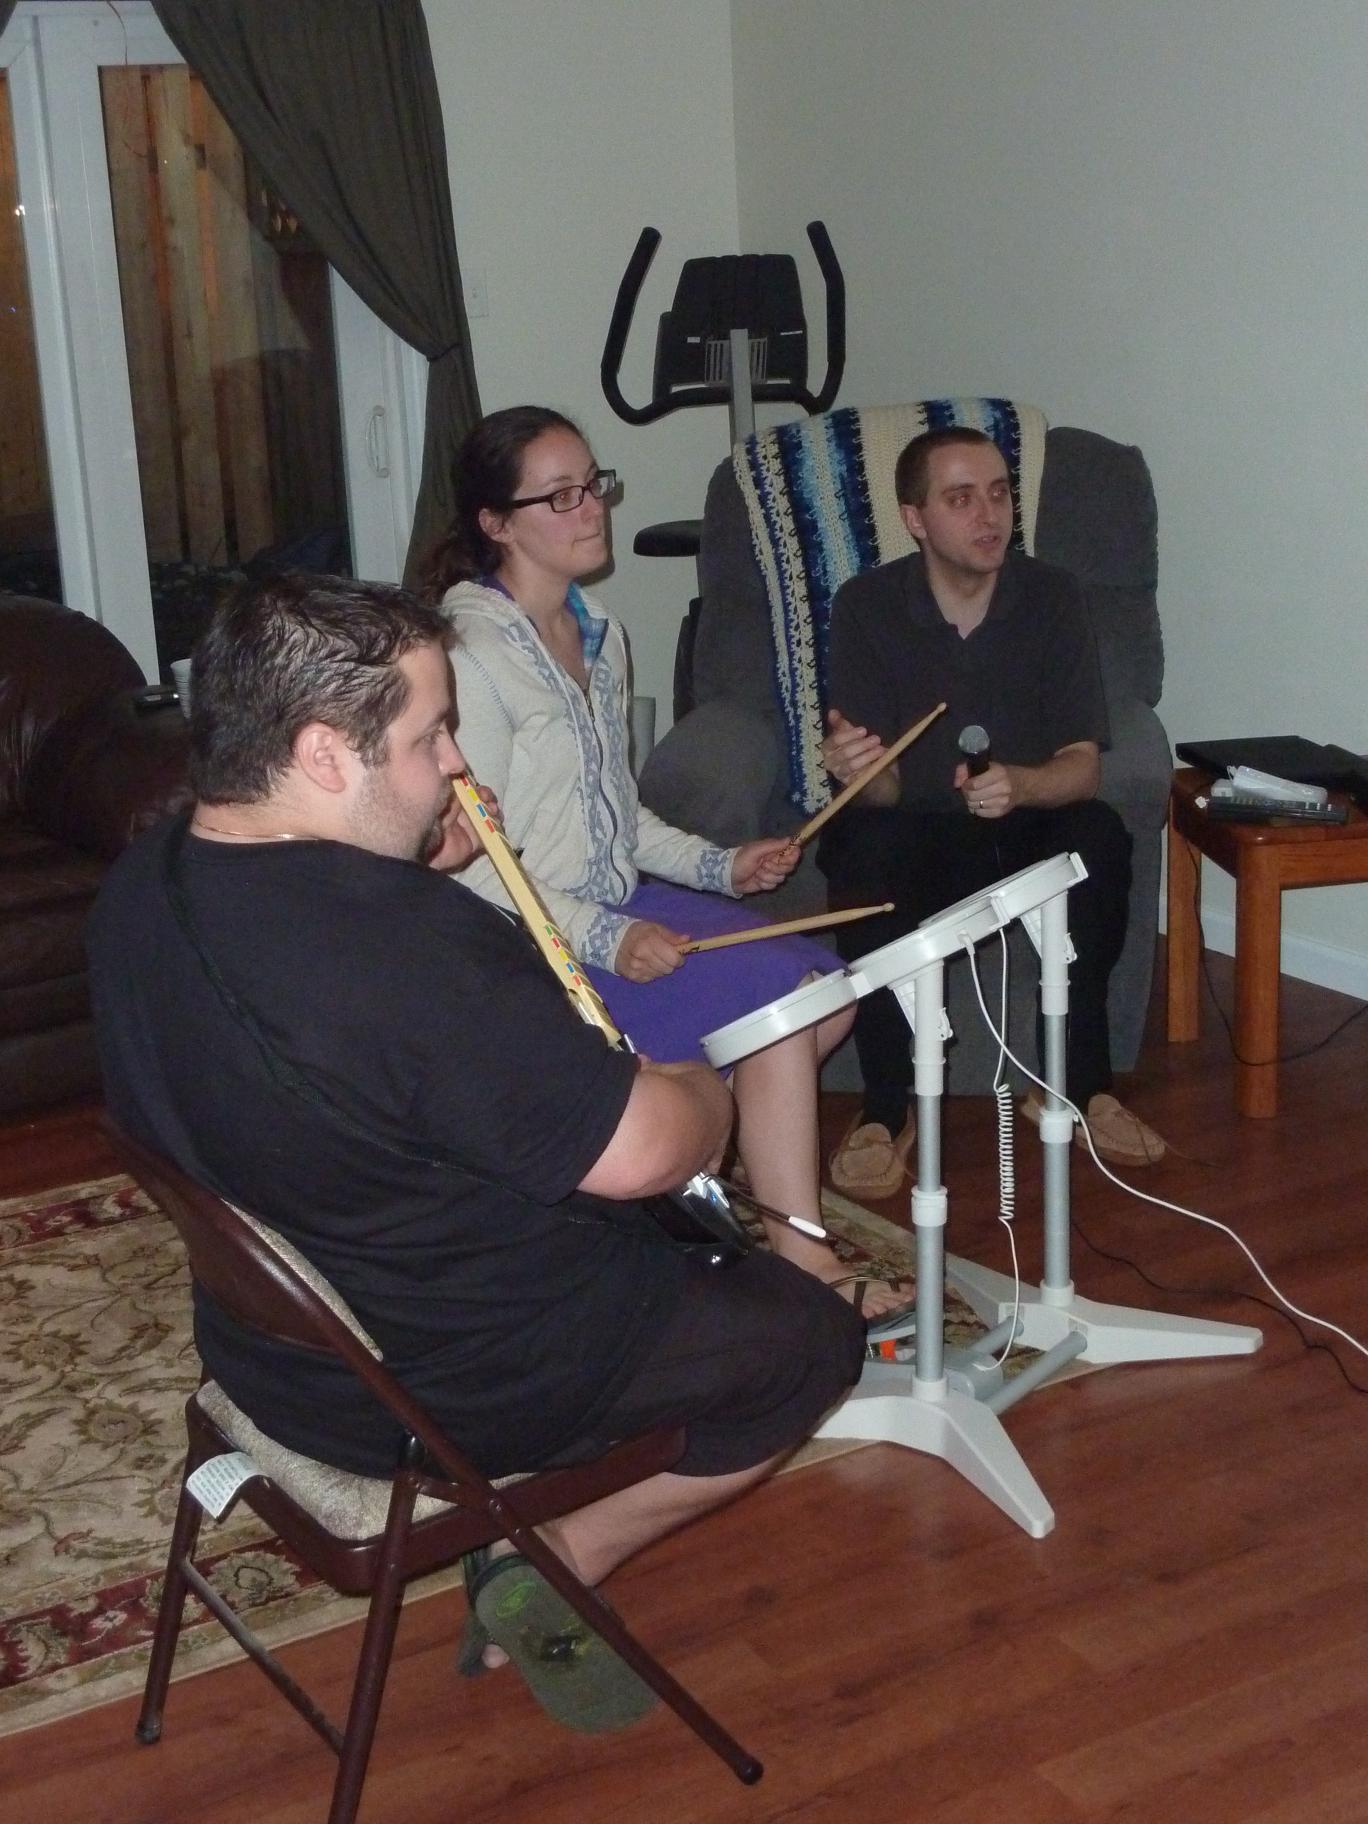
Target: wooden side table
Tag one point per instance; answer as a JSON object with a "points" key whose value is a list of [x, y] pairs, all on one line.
{"points": [[1264, 858]]}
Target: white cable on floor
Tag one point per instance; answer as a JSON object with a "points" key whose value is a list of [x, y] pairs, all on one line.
{"points": [[1006, 1128], [1162, 1203]]}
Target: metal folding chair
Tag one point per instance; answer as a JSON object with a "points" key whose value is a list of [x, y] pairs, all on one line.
{"points": [[363, 1535]]}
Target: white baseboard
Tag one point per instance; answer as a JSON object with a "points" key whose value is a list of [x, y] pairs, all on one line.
{"points": [[1327, 965]]}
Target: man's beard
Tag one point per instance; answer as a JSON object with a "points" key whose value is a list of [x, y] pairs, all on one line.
{"points": [[382, 821]]}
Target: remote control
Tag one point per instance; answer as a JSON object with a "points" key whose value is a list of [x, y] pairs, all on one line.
{"points": [[1236, 810], [1225, 791]]}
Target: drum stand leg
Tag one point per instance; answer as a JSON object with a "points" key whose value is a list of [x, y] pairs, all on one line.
{"points": [[946, 1404], [1052, 1313], [934, 1405]]}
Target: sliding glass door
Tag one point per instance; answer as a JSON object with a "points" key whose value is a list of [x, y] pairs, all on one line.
{"points": [[214, 400]]}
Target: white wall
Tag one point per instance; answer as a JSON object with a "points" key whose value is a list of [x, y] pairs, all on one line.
{"points": [[569, 128], [1148, 218]]}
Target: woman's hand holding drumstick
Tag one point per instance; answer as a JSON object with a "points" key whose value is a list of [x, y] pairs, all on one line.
{"points": [[819, 921], [764, 864], [844, 747]]}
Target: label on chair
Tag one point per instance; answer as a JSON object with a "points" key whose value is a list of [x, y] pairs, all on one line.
{"points": [[215, 1484]]}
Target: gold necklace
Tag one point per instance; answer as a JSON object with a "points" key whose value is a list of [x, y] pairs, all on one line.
{"points": [[198, 823]]}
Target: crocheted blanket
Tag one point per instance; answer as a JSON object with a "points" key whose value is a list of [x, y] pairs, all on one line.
{"points": [[819, 494]]}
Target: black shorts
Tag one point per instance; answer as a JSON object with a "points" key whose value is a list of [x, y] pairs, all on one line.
{"points": [[752, 1358]]}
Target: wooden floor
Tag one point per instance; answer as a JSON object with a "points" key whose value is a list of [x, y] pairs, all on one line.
{"points": [[1190, 1646]]}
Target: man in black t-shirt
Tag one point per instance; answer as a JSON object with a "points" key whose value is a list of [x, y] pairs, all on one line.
{"points": [[447, 1141], [1005, 642]]}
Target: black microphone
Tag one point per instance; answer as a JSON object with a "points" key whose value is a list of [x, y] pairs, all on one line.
{"points": [[976, 748]]}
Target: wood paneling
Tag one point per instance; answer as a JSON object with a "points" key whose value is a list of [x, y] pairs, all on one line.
{"points": [[234, 333], [145, 286], [196, 429]]}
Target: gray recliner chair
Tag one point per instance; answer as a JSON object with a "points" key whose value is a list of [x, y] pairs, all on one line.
{"points": [[721, 769]]}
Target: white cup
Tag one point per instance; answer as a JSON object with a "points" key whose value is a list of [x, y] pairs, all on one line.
{"points": [[180, 676]]}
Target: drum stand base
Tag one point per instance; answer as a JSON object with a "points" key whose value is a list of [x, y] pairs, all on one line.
{"points": [[954, 1419]]}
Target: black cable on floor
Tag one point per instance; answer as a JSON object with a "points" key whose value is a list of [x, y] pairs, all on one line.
{"points": [[1309, 1343]]}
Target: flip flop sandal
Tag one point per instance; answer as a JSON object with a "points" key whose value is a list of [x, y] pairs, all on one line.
{"points": [[572, 1672], [869, 1162], [862, 1282]]}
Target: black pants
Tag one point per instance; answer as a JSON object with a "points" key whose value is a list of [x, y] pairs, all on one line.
{"points": [[752, 1358], [926, 860]]}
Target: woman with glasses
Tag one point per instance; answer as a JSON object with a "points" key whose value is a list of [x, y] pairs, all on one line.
{"points": [[542, 692]]}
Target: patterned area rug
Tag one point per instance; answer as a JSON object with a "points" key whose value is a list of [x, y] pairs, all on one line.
{"points": [[96, 1363]]}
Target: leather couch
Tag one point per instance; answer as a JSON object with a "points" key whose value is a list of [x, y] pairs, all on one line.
{"points": [[720, 770], [82, 770]]}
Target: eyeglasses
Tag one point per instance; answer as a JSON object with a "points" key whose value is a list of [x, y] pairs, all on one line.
{"points": [[565, 500]]}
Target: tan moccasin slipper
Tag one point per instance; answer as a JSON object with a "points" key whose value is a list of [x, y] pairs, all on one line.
{"points": [[869, 1162], [1121, 1137]]}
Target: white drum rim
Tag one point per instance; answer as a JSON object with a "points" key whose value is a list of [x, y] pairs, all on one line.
{"points": [[1029, 888], [972, 919], [893, 962], [800, 1008]]}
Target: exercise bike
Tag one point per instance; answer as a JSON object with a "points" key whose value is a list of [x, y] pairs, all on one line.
{"points": [[735, 335]]}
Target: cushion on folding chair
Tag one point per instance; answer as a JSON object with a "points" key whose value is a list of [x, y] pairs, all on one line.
{"points": [[347, 1505]]}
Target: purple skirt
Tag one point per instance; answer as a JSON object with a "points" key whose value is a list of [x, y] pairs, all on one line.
{"points": [[668, 1018]]}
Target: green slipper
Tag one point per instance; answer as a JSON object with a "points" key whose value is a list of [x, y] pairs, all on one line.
{"points": [[572, 1672], [470, 1661]]}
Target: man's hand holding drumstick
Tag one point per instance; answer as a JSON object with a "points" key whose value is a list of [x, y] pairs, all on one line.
{"points": [[863, 765], [850, 750]]}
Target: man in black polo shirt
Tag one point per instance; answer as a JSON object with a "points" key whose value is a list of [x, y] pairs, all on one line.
{"points": [[1005, 642]]}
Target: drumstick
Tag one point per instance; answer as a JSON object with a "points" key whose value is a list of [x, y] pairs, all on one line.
{"points": [[817, 922], [861, 780]]}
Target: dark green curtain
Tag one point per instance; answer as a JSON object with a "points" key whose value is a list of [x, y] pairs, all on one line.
{"points": [[336, 100]]}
